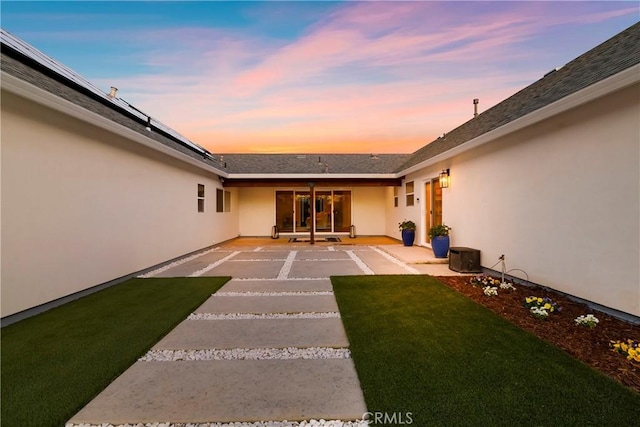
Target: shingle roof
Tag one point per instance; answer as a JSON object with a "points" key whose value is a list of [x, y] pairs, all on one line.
{"points": [[313, 163], [28, 64], [611, 57]]}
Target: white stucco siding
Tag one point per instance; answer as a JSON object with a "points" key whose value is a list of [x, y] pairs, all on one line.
{"points": [[82, 206], [369, 210], [560, 199], [257, 211]]}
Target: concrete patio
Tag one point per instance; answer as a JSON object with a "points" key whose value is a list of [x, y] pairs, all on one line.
{"points": [[279, 302]]}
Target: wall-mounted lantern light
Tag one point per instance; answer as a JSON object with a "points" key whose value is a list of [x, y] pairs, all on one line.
{"points": [[444, 178]]}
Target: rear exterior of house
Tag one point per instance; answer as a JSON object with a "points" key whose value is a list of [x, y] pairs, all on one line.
{"points": [[556, 189], [94, 190], [88, 194]]}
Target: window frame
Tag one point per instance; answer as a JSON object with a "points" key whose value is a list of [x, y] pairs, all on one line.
{"points": [[409, 193], [201, 197]]}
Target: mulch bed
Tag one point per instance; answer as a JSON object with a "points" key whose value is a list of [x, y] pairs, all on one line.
{"points": [[591, 346]]}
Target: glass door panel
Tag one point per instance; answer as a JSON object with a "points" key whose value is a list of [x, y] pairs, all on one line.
{"points": [[303, 211], [323, 211], [342, 211], [437, 203], [284, 211]]}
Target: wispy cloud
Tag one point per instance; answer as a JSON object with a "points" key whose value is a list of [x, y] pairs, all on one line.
{"points": [[372, 76]]}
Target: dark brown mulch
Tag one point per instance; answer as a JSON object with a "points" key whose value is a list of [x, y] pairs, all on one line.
{"points": [[591, 346]]}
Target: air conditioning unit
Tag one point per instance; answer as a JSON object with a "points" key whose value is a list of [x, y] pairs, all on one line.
{"points": [[464, 260]]}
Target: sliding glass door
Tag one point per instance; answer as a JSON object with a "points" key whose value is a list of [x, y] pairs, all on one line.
{"points": [[332, 211]]}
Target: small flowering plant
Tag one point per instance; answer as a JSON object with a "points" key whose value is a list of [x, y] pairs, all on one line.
{"points": [[490, 291], [506, 286], [539, 312], [589, 321], [484, 280], [541, 307], [628, 348]]}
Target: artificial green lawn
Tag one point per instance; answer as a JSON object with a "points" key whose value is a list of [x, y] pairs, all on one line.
{"points": [[420, 347], [56, 362]]}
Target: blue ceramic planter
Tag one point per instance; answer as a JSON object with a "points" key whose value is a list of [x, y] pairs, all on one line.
{"points": [[408, 236], [440, 246]]}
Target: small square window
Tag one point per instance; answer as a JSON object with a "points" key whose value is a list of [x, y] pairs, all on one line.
{"points": [[409, 187], [395, 196], [219, 200], [409, 193], [200, 197]]}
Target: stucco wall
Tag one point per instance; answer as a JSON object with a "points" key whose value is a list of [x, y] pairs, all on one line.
{"points": [[560, 199], [82, 206], [257, 210]]}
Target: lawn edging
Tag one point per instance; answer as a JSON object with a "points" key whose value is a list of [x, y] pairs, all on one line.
{"points": [[420, 347], [54, 363]]}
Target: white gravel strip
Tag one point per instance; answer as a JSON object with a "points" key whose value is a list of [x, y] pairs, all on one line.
{"points": [[395, 260], [233, 316], [286, 268], [246, 354], [364, 267], [263, 279], [305, 423], [271, 294], [214, 265], [175, 264]]}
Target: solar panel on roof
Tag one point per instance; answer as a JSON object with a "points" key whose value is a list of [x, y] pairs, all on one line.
{"points": [[31, 52]]}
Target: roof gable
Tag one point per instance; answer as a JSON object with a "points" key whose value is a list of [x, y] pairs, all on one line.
{"points": [[611, 57]]}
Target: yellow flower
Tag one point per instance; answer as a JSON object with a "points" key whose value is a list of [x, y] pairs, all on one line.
{"points": [[632, 351], [539, 299], [547, 306], [624, 347]]}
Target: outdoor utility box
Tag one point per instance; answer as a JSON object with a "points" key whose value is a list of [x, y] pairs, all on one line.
{"points": [[464, 260]]}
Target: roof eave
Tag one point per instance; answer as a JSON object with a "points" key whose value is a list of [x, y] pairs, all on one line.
{"points": [[40, 96], [597, 90], [311, 176]]}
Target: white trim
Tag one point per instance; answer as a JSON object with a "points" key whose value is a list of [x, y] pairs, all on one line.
{"points": [[311, 177], [40, 96], [597, 90]]}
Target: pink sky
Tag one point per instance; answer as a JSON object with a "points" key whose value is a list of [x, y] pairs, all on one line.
{"points": [[375, 77]]}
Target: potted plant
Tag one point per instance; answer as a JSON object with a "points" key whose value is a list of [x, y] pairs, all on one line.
{"points": [[439, 235], [408, 229]]}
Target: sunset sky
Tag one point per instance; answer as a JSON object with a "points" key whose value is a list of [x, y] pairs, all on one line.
{"points": [[273, 77]]}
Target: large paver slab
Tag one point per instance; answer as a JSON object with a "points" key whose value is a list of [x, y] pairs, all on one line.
{"points": [[247, 269], [255, 333], [310, 269], [269, 304], [238, 390], [322, 255], [261, 255], [195, 264], [277, 286], [382, 265]]}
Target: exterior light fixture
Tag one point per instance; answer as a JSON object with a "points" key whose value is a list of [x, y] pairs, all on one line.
{"points": [[444, 178], [148, 124]]}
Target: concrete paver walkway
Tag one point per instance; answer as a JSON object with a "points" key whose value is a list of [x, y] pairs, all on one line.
{"points": [[291, 283]]}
